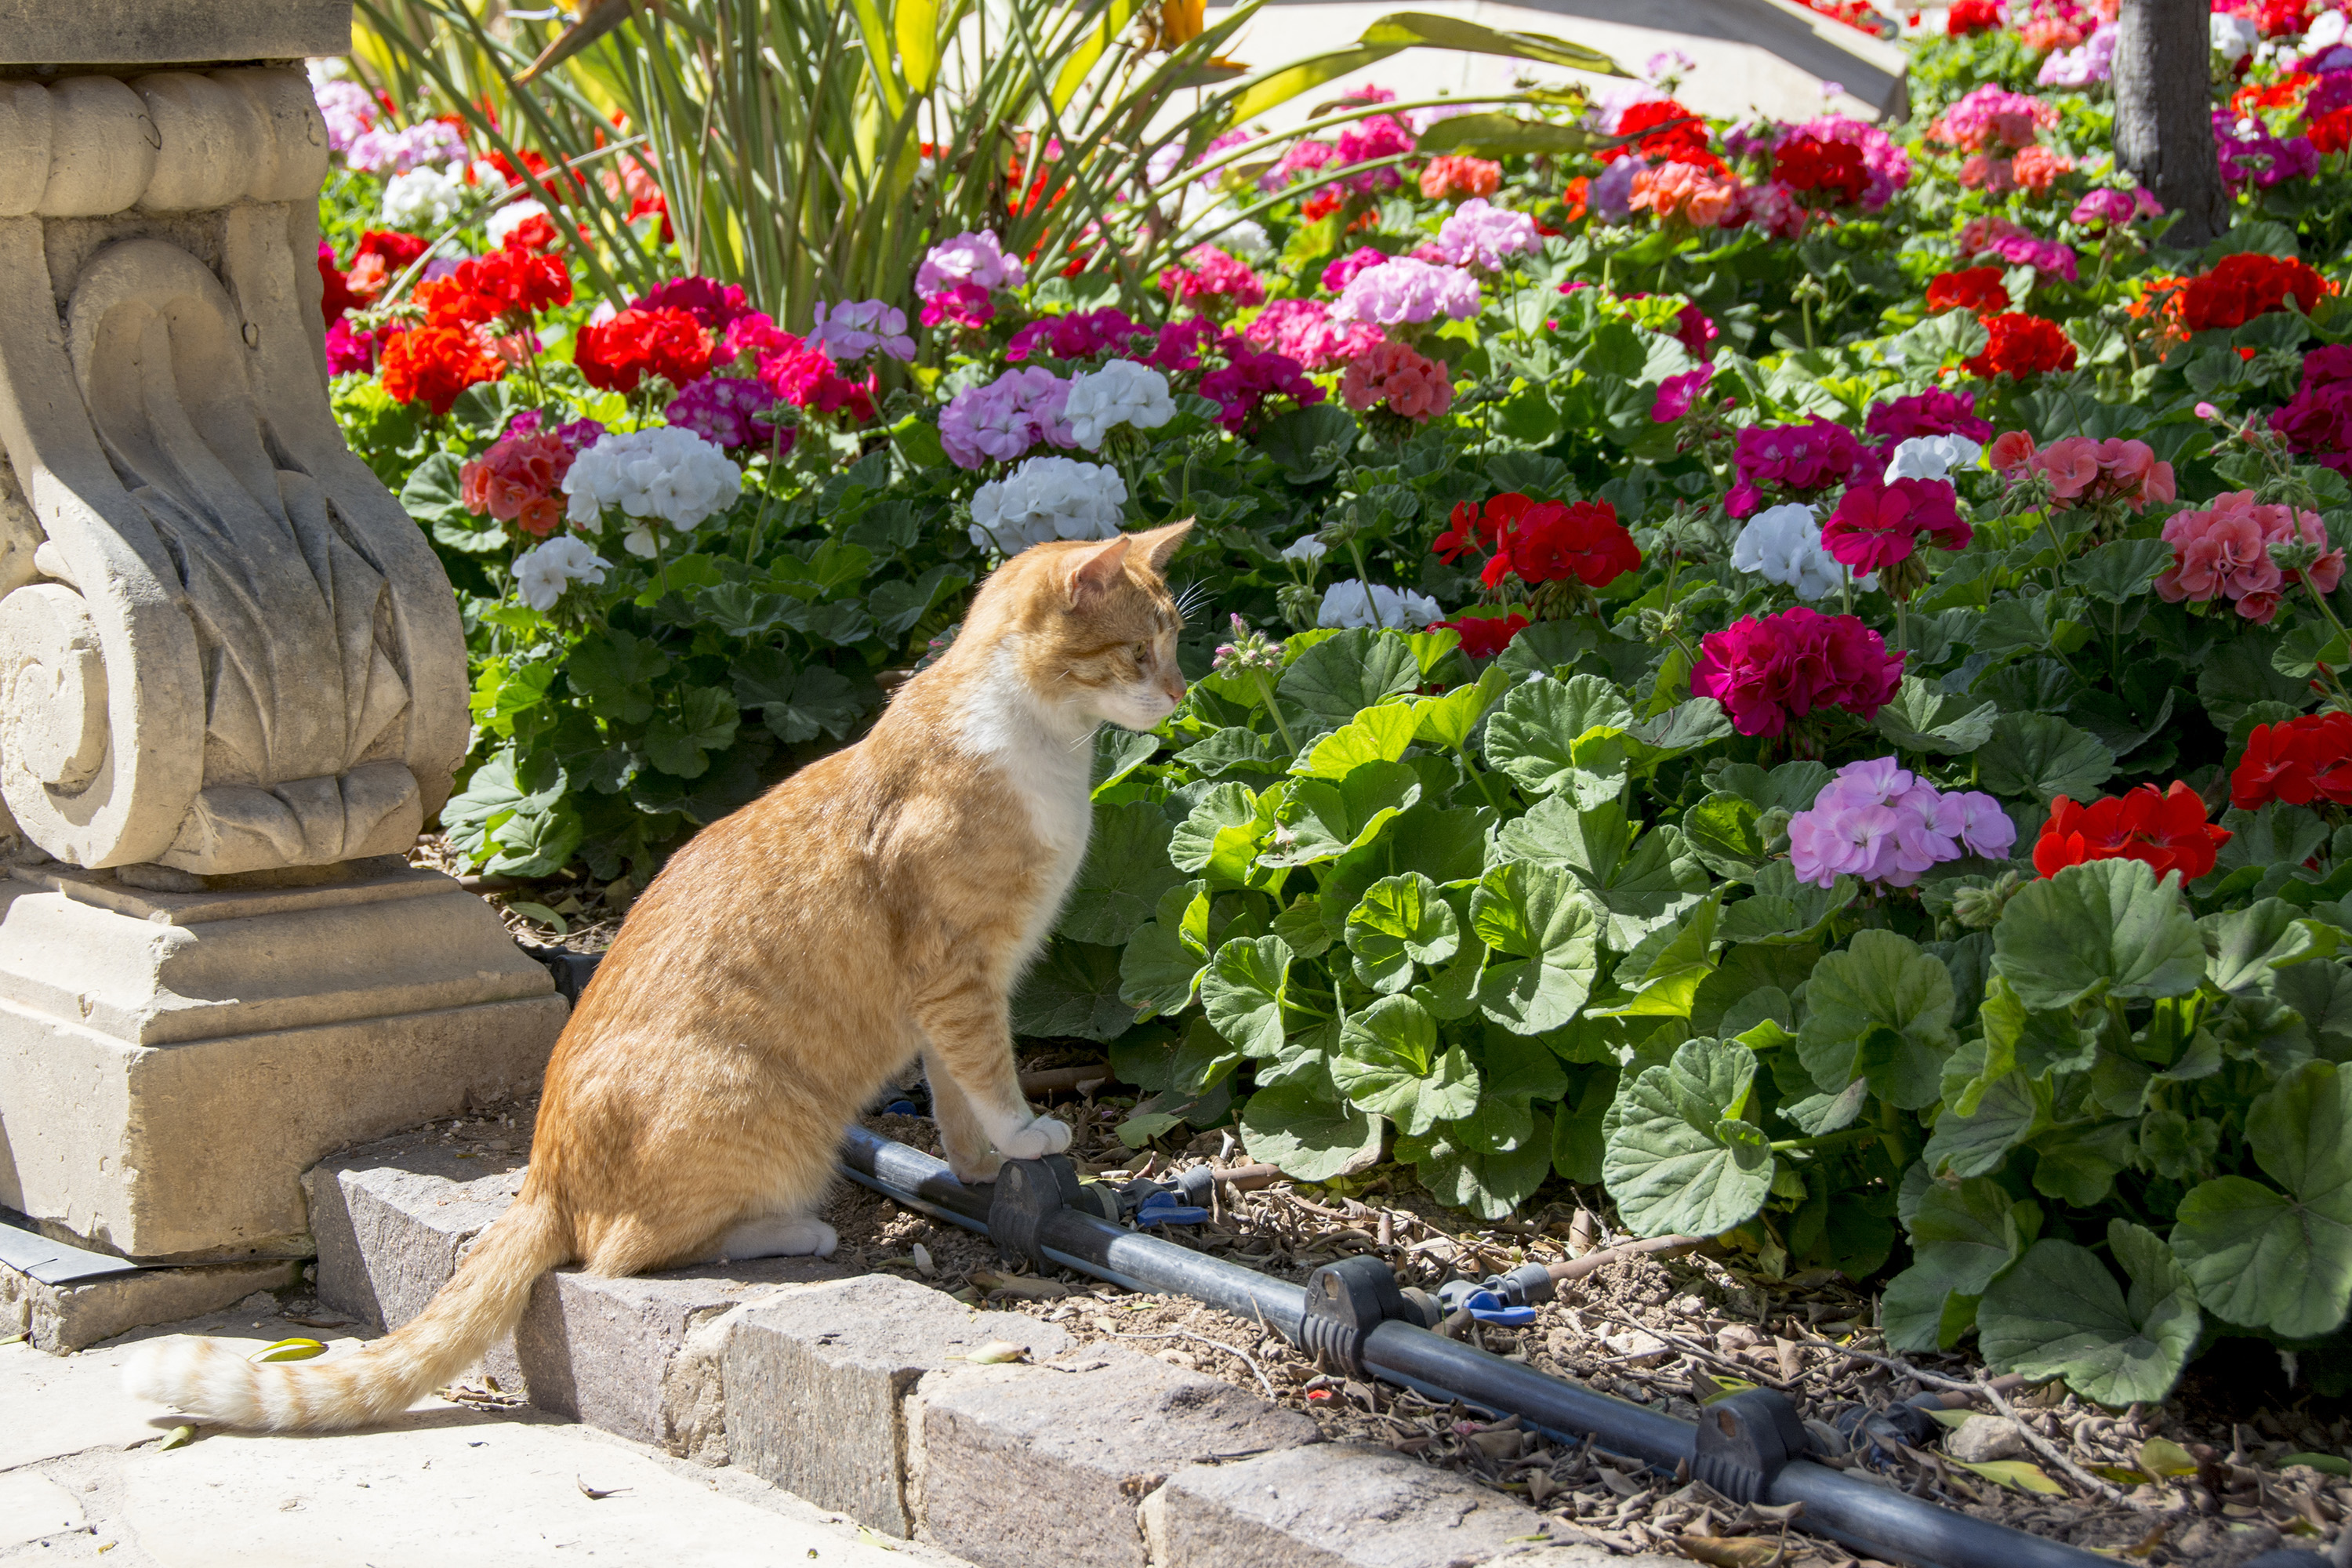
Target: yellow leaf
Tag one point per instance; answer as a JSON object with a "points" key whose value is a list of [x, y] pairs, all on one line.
{"points": [[2162, 1456], [2122, 1475], [180, 1437], [288, 1349], [916, 25], [2017, 1475], [1279, 87], [1952, 1418], [996, 1353]]}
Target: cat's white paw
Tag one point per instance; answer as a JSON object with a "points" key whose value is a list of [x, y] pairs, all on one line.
{"points": [[1042, 1137], [779, 1236]]}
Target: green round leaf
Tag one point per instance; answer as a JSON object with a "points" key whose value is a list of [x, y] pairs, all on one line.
{"points": [[1242, 992], [1399, 922], [2104, 928], [1677, 1158], [2060, 1313], [1881, 1010], [2279, 1260], [1309, 1135]]}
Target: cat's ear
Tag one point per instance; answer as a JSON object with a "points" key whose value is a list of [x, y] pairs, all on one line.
{"points": [[1098, 569], [1159, 544]]}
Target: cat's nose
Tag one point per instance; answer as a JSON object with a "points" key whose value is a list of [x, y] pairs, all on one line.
{"points": [[1174, 686]]}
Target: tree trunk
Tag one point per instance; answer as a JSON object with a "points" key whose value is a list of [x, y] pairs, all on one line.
{"points": [[2164, 106]]}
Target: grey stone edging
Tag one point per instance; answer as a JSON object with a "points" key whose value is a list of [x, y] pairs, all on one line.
{"points": [[852, 1391]]}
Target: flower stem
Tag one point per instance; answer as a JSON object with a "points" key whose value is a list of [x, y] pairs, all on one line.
{"points": [[1265, 690]]}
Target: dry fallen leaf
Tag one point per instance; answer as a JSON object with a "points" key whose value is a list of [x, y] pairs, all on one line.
{"points": [[996, 1353], [923, 1264], [180, 1437], [2163, 1457], [1731, 1551], [989, 1280], [594, 1494]]}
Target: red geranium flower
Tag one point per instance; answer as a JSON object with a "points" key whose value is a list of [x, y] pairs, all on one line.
{"points": [[1483, 636], [1978, 288], [2302, 759], [2020, 345], [1769, 669], [2166, 831], [509, 285], [2242, 286], [432, 365], [1968, 16], [1553, 542], [1831, 169], [619, 354], [1678, 143], [1474, 528]]}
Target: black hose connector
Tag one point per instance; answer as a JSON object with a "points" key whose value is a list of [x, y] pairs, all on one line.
{"points": [[1029, 1193], [1344, 1302], [1745, 1440]]}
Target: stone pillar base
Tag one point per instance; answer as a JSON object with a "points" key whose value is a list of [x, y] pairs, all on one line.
{"points": [[175, 1051]]}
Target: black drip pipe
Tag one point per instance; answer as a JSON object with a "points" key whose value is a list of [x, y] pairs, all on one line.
{"points": [[1874, 1519]]}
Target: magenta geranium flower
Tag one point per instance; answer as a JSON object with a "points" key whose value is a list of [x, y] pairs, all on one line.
{"points": [[1769, 669], [1876, 525]]}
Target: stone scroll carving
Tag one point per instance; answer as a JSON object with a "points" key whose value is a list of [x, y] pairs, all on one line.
{"points": [[223, 645]]}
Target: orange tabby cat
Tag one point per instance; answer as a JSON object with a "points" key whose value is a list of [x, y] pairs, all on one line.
{"points": [[789, 962]]}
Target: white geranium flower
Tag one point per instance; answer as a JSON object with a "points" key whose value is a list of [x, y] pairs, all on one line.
{"points": [[425, 197], [510, 217], [1121, 393], [1932, 457], [1783, 544], [1349, 604], [2233, 37], [544, 571], [665, 475], [1046, 498], [1307, 548]]}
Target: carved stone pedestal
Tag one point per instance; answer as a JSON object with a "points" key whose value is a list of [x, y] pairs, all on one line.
{"points": [[172, 1062], [232, 675]]}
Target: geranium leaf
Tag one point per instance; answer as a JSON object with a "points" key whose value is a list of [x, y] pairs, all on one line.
{"points": [[1400, 922], [2060, 1313], [1126, 871], [2279, 1260], [1242, 992], [2104, 928], [1881, 1010], [1535, 917], [1677, 1157], [1532, 736], [1921, 719], [2035, 754], [1310, 1135], [1489, 1183], [1390, 1063]]}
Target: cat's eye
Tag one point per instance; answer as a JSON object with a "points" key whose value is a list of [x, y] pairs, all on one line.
{"points": [[1142, 652]]}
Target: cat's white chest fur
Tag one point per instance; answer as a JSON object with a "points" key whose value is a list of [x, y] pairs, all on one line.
{"points": [[1048, 766]]}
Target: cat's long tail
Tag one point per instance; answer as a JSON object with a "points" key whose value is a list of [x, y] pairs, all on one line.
{"points": [[482, 1302]]}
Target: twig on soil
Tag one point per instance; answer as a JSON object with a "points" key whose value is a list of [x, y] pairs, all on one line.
{"points": [[1248, 1359], [1744, 1372], [1578, 1268], [2034, 1439]]}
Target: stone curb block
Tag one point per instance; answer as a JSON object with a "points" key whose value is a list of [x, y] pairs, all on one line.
{"points": [[1344, 1505], [1012, 1466], [61, 1318], [393, 1218], [853, 1392], [817, 1380]]}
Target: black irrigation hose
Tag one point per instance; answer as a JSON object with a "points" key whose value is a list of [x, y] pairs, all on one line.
{"points": [[1871, 1519]]}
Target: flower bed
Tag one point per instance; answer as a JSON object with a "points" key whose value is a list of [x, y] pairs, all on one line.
{"points": [[1789, 672]]}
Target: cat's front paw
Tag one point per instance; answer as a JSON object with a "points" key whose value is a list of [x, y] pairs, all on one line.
{"points": [[1042, 1137], [976, 1168]]}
